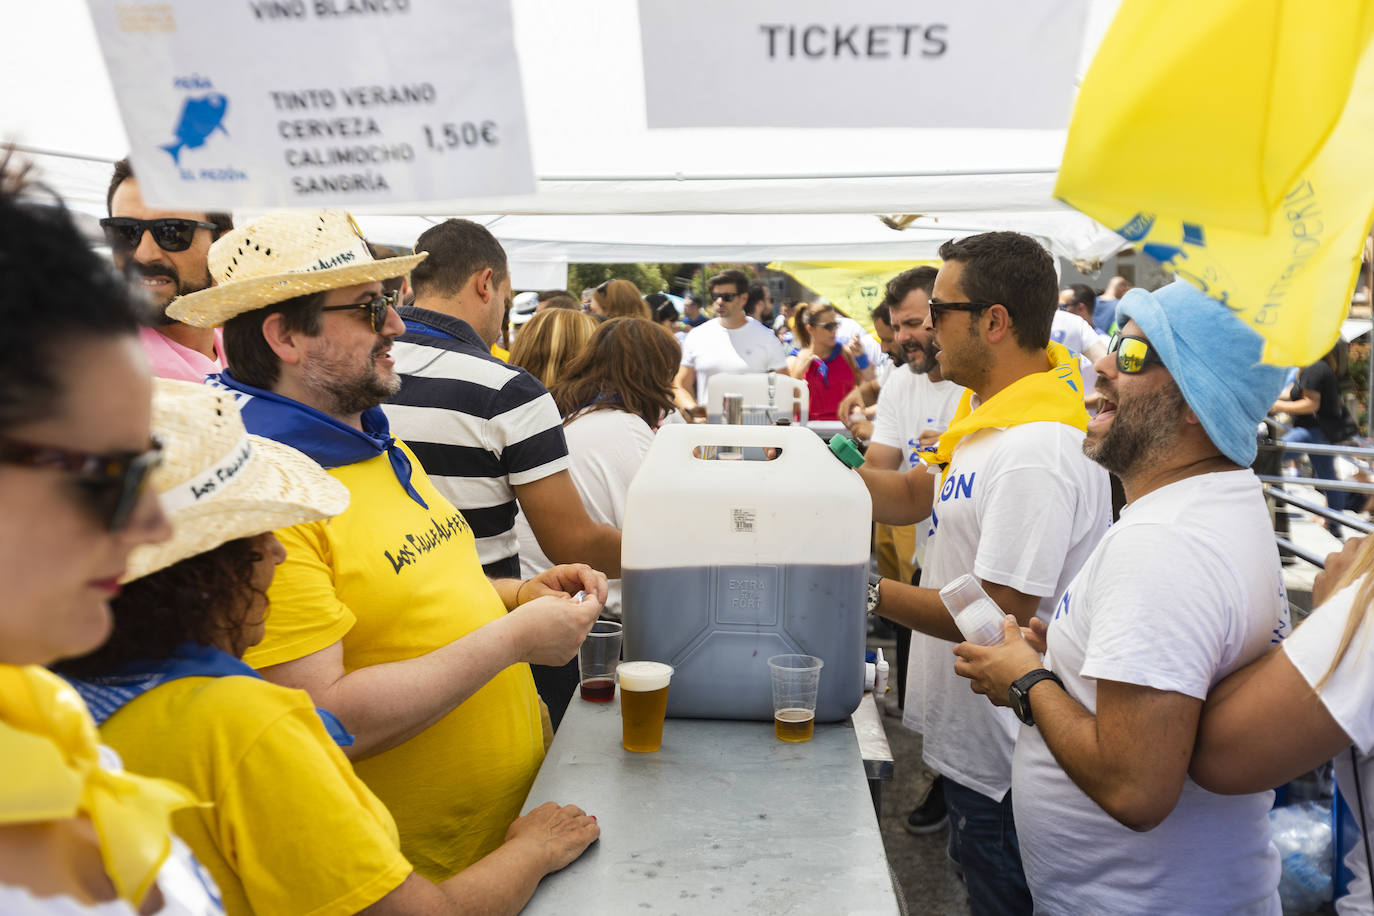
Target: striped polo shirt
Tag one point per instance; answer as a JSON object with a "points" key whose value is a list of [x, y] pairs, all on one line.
{"points": [[478, 426]]}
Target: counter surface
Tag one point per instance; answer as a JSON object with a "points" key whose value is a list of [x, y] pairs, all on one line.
{"points": [[725, 818]]}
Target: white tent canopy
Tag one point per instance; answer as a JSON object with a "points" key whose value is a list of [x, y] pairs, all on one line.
{"points": [[610, 189]]}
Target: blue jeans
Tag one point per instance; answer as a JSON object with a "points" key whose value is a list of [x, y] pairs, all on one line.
{"points": [[982, 839], [1323, 466]]}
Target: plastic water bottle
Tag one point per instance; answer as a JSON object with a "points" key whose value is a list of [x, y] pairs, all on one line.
{"points": [[1302, 835], [975, 614]]}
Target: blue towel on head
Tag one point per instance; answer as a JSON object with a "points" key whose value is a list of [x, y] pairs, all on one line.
{"points": [[1214, 358]]}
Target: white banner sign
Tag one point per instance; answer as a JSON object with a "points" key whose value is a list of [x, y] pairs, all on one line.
{"points": [[317, 103], [861, 63]]}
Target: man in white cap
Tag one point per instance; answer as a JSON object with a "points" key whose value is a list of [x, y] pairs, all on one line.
{"points": [[1184, 589], [383, 614], [522, 309]]}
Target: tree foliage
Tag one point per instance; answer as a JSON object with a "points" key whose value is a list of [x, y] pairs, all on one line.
{"points": [[648, 278]]}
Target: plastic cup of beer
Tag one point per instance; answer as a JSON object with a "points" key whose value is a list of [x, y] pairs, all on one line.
{"points": [[596, 661], [643, 704], [796, 680]]}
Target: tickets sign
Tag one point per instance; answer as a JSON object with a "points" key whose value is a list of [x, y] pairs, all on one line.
{"points": [[317, 103], [863, 63]]}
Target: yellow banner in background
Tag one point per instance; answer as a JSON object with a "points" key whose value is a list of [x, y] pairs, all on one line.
{"points": [[1234, 142], [855, 287]]}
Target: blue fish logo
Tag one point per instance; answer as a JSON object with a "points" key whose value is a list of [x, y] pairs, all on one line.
{"points": [[200, 117]]}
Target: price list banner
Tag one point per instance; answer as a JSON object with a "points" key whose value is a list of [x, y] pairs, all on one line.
{"points": [[862, 63], [317, 103]]}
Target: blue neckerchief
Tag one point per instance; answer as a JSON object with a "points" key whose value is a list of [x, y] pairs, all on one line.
{"points": [[109, 693], [416, 326], [329, 442], [823, 366]]}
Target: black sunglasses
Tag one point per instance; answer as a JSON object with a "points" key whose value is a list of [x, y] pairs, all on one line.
{"points": [[828, 326], [724, 297], [376, 308], [936, 307], [1133, 354], [124, 233], [110, 483]]}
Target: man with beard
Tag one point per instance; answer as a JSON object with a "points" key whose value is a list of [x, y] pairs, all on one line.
{"points": [[1016, 505], [1184, 589], [914, 407], [382, 613], [163, 252]]}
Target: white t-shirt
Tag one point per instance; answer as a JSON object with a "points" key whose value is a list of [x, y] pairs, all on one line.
{"points": [[883, 371], [1184, 589], [711, 348], [1349, 696], [908, 404], [1079, 336], [1020, 507], [606, 448]]}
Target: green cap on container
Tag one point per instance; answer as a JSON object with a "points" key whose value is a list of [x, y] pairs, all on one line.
{"points": [[844, 449]]}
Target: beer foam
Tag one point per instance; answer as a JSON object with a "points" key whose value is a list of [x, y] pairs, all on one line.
{"points": [[644, 676]]}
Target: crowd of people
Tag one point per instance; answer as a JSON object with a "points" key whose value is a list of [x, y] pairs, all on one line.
{"points": [[289, 627]]}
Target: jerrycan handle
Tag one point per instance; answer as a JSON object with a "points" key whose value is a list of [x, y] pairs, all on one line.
{"points": [[792, 442]]}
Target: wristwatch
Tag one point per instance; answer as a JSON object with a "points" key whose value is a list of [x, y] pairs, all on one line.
{"points": [[873, 595], [1018, 694]]}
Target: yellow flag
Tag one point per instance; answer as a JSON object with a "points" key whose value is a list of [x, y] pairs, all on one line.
{"points": [[855, 287], [1231, 140]]}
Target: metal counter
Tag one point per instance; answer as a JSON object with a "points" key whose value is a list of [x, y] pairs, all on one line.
{"points": [[725, 818]]}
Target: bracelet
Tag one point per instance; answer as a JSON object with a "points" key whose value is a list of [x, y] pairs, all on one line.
{"points": [[523, 583], [861, 361]]}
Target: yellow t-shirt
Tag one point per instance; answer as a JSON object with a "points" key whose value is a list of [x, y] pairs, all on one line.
{"points": [[393, 581], [292, 829]]}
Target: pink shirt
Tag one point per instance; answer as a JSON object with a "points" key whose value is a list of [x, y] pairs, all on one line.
{"points": [[172, 360]]}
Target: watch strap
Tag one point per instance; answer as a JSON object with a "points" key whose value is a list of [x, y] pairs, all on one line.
{"points": [[1021, 687]]}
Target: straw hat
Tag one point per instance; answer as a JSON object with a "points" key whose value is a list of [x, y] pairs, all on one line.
{"points": [[218, 483], [281, 256]]}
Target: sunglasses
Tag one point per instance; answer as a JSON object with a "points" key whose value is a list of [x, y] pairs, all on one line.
{"points": [[828, 326], [124, 233], [111, 484], [376, 308], [1133, 354], [723, 297], [936, 307]]}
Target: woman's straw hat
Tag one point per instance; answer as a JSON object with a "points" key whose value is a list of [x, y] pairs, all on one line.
{"points": [[280, 256], [217, 483]]}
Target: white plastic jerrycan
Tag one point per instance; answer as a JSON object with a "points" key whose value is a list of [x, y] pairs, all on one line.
{"points": [[728, 562]]}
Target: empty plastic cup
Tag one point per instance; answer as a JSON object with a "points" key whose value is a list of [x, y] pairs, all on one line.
{"points": [[796, 679], [976, 615]]}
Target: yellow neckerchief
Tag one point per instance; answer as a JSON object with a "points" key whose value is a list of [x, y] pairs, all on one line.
{"points": [[52, 772], [1055, 395]]}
